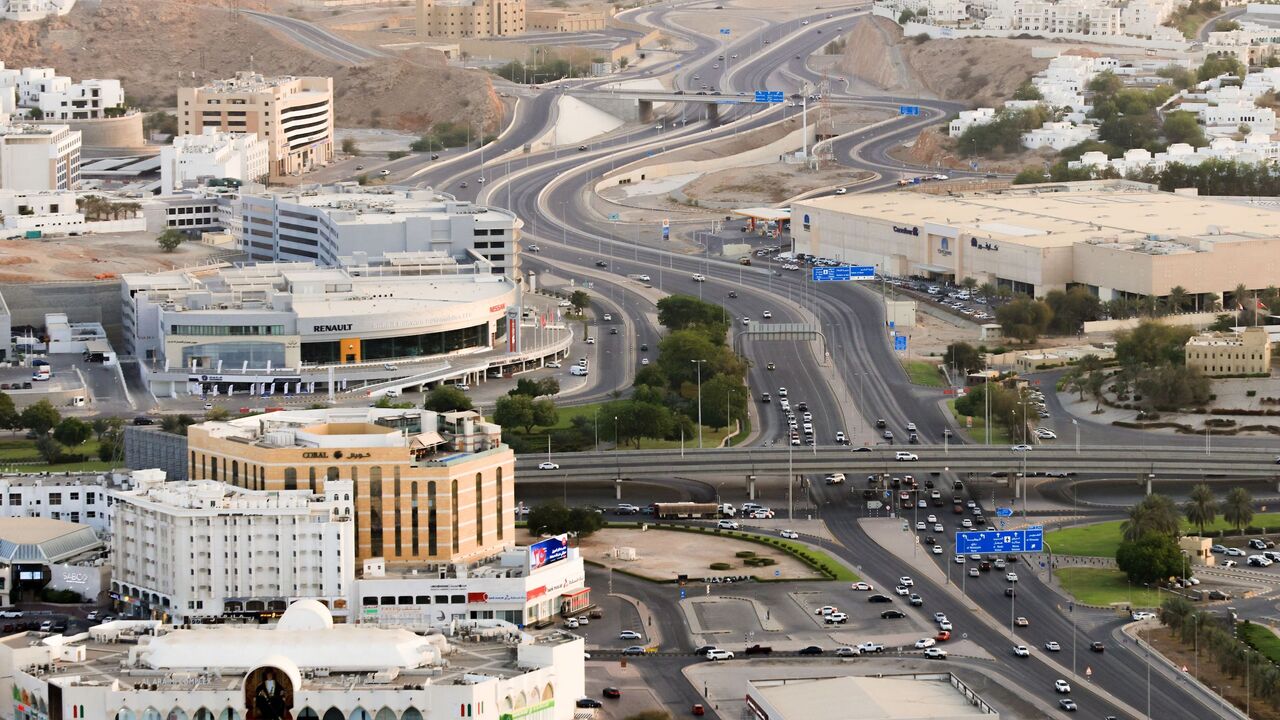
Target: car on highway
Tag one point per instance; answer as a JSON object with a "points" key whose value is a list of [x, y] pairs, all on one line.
{"points": [[727, 525], [548, 465], [923, 643], [789, 534], [590, 340], [384, 173], [1097, 646], [810, 650], [1011, 577], [1067, 704], [1021, 448], [601, 264], [847, 652], [1021, 622], [699, 277], [1021, 651], [937, 550], [904, 456], [862, 586], [945, 625], [719, 654], [1062, 686], [766, 315], [973, 572], [902, 590], [759, 649], [934, 653], [629, 635], [1052, 646], [633, 650], [612, 693], [916, 600], [1143, 615], [879, 599]]}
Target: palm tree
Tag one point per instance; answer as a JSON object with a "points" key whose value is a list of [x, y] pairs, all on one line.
{"points": [[1155, 514], [1177, 299], [1202, 508], [1095, 385], [1238, 295], [1135, 523], [987, 290], [1238, 508], [969, 284]]}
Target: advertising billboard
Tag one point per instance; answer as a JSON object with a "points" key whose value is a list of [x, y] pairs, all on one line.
{"points": [[551, 550]]}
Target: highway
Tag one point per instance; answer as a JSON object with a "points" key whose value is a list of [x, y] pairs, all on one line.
{"points": [[317, 40]]}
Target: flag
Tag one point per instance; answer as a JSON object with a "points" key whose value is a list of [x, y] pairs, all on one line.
{"points": [[1261, 306]]}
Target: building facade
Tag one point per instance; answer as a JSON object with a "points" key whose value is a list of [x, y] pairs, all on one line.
{"points": [[1238, 353], [345, 219], [191, 551], [85, 499], [213, 154], [294, 115], [85, 100], [39, 157], [305, 667], [429, 488], [470, 18]]}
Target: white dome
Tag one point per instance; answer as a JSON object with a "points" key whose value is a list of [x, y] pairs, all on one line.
{"points": [[306, 615]]}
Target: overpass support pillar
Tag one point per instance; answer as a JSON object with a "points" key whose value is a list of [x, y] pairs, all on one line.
{"points": [[617, 489], [1146, 479], [751, 487], [645, 110], [1017, 480], [713, 112]]}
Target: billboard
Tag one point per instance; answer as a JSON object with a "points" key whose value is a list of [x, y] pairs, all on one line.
{"points": [[553, 549]]}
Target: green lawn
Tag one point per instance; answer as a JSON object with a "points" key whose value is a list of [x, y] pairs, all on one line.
{"points": [[1262, 638], [1100, 586], [24, 458], [999, 435], [923, 373], [710, 438], [1102, 539]]}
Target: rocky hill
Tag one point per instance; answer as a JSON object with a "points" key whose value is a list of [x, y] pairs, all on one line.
{"points": [[153, 46]]}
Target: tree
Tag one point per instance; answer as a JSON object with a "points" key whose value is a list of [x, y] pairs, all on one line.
{"points": [[160, 122], [10, 419], [176, 424], [1202, 507], [580, 301], [1237, 509], [549, 518], [1072, 308], [683, 312], [1152, 343], [1027, 91], [1024, 319], [1181, 127], [219, 413], [1156, 514], [447, 398], [962, 356], [905, 17], [1215, 65], [41, 417], [545, 413], [515, 411], [1170, 387], [534, 388], [1150, 558], [582, 522], [723, 394], [49, 449], [169, 240], [349, 146], [72, 432]]}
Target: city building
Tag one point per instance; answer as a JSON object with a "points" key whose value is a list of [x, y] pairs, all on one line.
{"points": [[1116, 238], [256, 329], [212, 154], [324, 224], [39, 157], [968, 118], [50, 211], [1058, 135], [1255, 148], [566, 21], [429, 488], [1231, 353], [918, 696], [37, 553], [305, 667], [84, 100], [470, 18], [1083, 19], [28, 10], [293, 114], [81, 499], [191, 551]]}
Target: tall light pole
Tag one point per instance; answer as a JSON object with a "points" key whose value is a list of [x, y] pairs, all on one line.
{"points": [[1076, 426], [698, 365]]}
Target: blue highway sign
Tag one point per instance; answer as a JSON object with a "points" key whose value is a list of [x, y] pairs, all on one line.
{"points": [[1027, 540], [908, 109], [770, 96], [1004, 512], [900, 343], [724, 31], [843, 272]]}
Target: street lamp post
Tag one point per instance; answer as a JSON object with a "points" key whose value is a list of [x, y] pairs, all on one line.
{"points": [[698, 365], [1076, 426]]}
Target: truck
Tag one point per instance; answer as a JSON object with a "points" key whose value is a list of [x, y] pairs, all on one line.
{"points": [[41, 372], [686, 510]]}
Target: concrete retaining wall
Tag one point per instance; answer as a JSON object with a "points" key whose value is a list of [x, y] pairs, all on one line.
{"points": [[120, 132], [96, 301], [1195, 320], [147, 447]]}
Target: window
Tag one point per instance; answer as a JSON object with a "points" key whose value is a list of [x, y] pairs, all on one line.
{"points": [[55, 498], [501, 517], [290, 478], [453, 514], [432, 526], [311, 478], [479, 511], [422, 600], [396, 492], [375, 510]]}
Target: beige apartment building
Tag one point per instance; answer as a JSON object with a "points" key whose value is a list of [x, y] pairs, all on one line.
{"points": [[293, 114], [470, 18], [39, 157], [429, 488], [1231, 353], [566, 21], [1117, 238]]}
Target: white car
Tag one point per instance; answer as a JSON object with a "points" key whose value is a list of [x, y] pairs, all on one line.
{"points": [[932, 519], [790, 534], [1046, 434], [911, 427], [825, 610], [548, 465], [727, 525], [766, 315], [608, 317], [864, 587], [1062, 686], [906, 581], [904, 456], [1021, 651], [644, 361], [1143, 615], [847, 652], [920, 525], [1011, 577], [923, 643], [937, 549], [629, 635], [1021, 448], [698, 277], [934, 653], [555, 364], [719, 654], [1052, 646], [836, 618], [945, 625], [590, 340], [937, 527], [902, 590]]}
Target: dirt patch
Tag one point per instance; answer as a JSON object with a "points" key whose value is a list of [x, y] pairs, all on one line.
{"points": [[664, 554], [872, 55], [980, 71], [932, 147], [1232, 688], [83, 257], [767, 184], [151, 47]]}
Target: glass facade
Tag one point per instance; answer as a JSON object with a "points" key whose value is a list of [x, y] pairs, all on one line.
{"points": [[400, 347], [234, 354]]}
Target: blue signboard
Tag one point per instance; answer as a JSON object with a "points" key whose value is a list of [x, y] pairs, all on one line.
{"points": [[666, 233], [843, 272], [682, 595], [724, 31], [615, 217], [770, 96], [548, 551], [1027, 540], [1004, 512], [900, 343], [908, 109]]}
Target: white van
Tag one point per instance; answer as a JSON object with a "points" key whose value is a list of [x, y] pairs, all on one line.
{"points": [[578, 370]]}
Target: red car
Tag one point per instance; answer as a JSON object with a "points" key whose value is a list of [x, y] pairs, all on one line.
{"points": [[699, 710], [943, 636], [612, 692]]}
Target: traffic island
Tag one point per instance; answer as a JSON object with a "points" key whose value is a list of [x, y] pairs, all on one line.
{"points": [[665, 556]]}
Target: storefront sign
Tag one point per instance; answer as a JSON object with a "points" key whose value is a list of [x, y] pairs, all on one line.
{"points": [[915, 231], [548, 551], [344, 327]]}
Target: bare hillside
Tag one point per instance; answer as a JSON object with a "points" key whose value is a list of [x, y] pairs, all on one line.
{"points": [[153, 45]]}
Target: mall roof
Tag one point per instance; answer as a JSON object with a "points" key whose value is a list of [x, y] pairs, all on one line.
{"points": [[39, 540], [1126, 215], [866, 698]]}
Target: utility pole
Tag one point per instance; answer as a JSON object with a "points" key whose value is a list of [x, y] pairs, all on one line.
{"points": [[698, 365]]}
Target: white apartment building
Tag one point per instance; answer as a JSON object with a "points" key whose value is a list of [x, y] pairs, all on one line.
{"points": [[1226, 118], [39, 157], [84, 100], [212, 154], [184, 551], [28, 10], [1058, 135], [969, 118], [1257, 147], [49, 211], [1110, 18], [328, 223], [83, 499]]}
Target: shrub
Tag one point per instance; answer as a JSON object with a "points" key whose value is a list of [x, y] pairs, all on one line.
{"points": [[720, 566], [745, 554]]}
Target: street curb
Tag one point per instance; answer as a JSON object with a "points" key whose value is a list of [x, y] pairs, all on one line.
{"points": [[1168, 667]]}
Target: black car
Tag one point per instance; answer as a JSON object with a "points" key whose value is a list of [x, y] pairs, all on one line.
{"points": [[435, 156], [733, 293], [1010, 592], [140, 420], [880, 599], [759, 650], [811, 650], [880, 424], [601, 263], [613, 331], [862, 448], [582, 148], [930, 540], [644, 347], [1097, 646], [703, 650], [892, 615], [612, 692], [589, 703]]}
